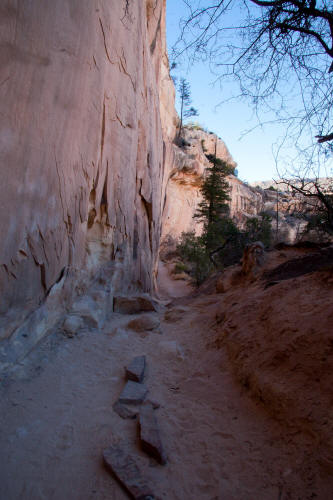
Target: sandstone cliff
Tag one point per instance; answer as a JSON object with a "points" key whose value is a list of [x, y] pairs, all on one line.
{"points": [[91, 175], [183, 192], [84, 148], [187, 171]]}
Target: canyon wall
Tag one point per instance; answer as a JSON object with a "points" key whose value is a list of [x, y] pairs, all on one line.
{"points": [[91, 177], [187, 170], [83, 151], [183, 193], [186, 176]]}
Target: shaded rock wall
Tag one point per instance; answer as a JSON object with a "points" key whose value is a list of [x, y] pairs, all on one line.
{"points": [[83, 151]]}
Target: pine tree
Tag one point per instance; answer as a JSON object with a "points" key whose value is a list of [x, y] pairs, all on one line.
{"points": [[186, 111], [213, 210]]}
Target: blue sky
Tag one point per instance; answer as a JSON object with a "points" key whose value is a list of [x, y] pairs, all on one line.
{"points": [[252, 152]]}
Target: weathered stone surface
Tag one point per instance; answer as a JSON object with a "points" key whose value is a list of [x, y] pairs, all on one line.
{"points": [[136, 369], [133, 305], [85, 138], [150, 435], [125, 469], [72, 324], [183, 190], [133, 393], [144, 323], [124, 411], [184, 183]]}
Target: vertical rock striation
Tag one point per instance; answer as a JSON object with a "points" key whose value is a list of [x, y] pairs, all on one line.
{"points": [[83, 150]]}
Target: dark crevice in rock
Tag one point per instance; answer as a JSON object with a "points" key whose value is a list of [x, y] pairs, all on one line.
{"points": [[158, 28]]}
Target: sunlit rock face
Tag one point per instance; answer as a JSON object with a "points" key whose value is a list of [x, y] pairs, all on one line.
{"points": [[189, 163], [188, 166], [84, 149], [187, 173]]}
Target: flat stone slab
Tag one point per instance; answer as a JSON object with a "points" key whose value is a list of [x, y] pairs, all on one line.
{"points": [[133, 305], [124, 411], [126, 471], [133, 393], [136, 369], [150, 435]]}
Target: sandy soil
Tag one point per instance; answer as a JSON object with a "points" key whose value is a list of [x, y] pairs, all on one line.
{"points": [[222, 444]]}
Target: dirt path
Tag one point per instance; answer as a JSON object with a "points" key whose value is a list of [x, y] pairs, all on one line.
{"points": [[170, 288], [57, 417]]}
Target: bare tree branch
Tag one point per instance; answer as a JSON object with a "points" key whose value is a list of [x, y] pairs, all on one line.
{"points": [[279, 52]]}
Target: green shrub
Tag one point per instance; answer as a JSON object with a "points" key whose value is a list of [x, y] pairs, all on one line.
{"points": [[192, 251]]}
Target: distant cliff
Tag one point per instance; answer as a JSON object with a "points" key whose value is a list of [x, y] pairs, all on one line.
{"points": [[183, 191]]}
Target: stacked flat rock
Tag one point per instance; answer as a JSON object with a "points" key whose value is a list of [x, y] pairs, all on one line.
{"points": [[134, 393], [122, 465]]}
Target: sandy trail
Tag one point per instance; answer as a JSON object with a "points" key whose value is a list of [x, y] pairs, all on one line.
{"points": [[57, 417], [169, 288]]}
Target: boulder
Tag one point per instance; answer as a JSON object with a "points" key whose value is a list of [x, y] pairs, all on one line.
{"points": [[134, 304], [146, 322], [126, 471]]}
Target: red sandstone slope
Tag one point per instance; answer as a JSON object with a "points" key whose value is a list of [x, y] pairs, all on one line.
{"points": [[279, 340]]}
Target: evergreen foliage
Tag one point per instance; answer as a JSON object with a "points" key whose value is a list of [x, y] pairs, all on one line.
{"points": [[275, 51], [192, 250], [221, 242], [214, 208], [186, 110]]}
